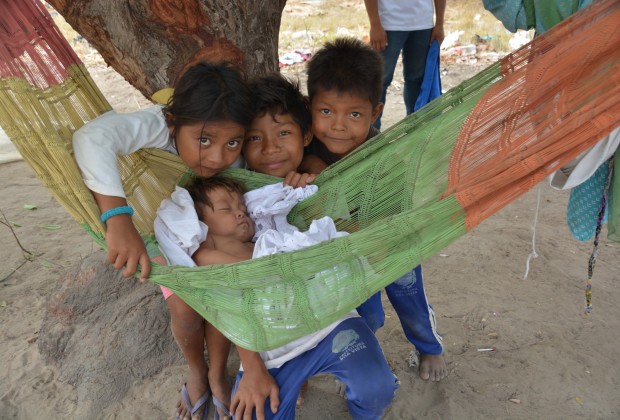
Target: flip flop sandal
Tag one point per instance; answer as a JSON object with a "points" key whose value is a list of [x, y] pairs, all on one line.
{"points": [[218, 404], [202, 401]]}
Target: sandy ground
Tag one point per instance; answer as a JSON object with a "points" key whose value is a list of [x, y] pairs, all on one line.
{"points": [[551, 361]]}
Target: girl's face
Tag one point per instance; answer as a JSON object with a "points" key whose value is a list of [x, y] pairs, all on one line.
{"points": [[209, 148], [275, 145]]}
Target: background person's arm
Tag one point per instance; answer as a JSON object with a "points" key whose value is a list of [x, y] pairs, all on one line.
{"points": [[378, 37], [440, 12]]}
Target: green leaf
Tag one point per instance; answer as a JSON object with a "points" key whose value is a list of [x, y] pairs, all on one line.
{"points": [[30, 206], [47, 264], [51, 227], [15, 224]]}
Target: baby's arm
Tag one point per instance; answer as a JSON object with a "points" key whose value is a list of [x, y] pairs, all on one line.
{"points": [[96, 146], [255, 387]]}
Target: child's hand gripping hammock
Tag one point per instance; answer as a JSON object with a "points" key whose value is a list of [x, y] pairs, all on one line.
{"points": [[403, 196]]}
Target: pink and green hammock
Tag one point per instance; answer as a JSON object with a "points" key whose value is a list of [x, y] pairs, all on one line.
{"points": [[403, 197]]}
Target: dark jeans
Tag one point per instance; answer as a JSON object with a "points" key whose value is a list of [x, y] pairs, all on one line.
{"points": [[414, 46]]}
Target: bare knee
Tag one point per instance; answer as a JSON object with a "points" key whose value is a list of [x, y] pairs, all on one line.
{"points": [[182, 317]]}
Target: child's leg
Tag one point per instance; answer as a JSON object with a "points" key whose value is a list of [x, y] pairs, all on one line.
{"points": [[372, 312], [218, 347], [188, 329], [417, 318], [354, 356], [352, 353]]}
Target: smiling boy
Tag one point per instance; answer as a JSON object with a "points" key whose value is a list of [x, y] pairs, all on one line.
{"points": [[345, 83], [280, 130]]}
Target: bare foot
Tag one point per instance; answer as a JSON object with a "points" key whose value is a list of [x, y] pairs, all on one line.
{"points": [[433, 367], [301, 398], [196, 387], [222, 390], [341, 388]]}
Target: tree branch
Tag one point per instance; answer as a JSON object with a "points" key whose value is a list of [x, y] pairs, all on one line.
{"points": [[29, 256]]}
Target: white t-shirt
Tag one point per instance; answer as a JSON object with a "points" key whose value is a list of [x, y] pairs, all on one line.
{"points": [[406, 15], [277, 357]]}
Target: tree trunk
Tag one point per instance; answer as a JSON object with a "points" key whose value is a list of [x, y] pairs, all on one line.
{"points": [[151, 42]]}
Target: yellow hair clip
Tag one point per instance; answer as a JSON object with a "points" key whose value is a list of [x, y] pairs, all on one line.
{"points": [[162, 96]]}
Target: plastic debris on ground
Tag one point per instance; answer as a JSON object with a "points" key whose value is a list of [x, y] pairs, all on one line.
{"points": [[294, 57]]}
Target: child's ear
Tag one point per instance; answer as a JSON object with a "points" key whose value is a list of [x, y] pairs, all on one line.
{"points": [[376, 112], [307, 137], [169, 121]]}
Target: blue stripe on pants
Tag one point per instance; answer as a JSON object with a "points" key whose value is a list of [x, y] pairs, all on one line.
{"points": [[414, 312]]}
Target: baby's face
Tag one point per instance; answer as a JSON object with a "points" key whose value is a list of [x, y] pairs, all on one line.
{"points": [[228, 217], [274, 145], [341, 121]]}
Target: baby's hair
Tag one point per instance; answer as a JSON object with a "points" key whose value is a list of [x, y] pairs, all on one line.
{"points": [[200, 188], [209, 92], [274, 94], [347, 65]]}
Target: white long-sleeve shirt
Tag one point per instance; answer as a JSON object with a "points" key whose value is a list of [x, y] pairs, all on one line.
{"points": [[99, 142]]}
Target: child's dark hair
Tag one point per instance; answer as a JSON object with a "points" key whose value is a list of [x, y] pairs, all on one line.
{"points": [[275, 94], [200, 188], [210, 92], [347, 65]]}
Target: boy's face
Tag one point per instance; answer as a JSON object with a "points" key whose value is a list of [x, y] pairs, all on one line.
{"points": [[228, 217], [341, 121], [208, 148], [275, 145]]}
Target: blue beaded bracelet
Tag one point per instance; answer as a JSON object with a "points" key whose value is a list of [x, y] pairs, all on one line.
{"points": [[115, 212]]}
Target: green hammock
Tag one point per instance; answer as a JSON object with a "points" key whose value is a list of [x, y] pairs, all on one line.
{"points": [[403, 196]]}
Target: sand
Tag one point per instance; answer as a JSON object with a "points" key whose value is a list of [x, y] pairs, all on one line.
{"points": [[551, 360]]}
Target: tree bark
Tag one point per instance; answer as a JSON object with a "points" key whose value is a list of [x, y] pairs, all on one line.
{"points": [[151, 42]]}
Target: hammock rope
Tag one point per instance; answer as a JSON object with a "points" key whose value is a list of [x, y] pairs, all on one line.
{"points": [[597, 235], [403, 196]]}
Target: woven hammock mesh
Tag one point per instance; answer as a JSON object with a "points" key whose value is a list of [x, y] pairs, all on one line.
{"points": [[403, 196]]}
